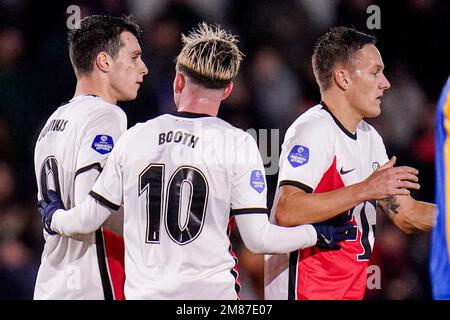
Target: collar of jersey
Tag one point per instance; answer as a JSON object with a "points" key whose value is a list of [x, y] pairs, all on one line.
{"points": [[185, 114], [339, 124]]}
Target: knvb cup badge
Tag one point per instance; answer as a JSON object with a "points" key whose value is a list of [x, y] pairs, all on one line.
{"points": [[298, 156], [257, 181], [103, 144]]}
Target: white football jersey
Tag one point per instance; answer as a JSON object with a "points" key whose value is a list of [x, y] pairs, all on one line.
{"points": [[320, 155], [181, 177], [77, 137]]}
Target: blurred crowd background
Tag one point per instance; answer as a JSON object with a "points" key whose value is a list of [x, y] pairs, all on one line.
{"points": [[275, 85]]}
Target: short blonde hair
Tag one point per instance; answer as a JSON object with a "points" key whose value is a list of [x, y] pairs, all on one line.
{"points": [[210, 56]]}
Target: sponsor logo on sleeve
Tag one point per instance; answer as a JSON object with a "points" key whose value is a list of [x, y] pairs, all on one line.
{"points": [[103, 144], [298, 156], [257, 181]]}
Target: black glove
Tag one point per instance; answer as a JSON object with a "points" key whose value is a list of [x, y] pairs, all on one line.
{"points": [[47, 209], [329, 234]]}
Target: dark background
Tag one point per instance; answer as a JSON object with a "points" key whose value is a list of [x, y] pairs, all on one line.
{"points": [[275, 86]]}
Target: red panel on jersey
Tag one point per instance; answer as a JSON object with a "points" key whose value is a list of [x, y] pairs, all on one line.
{"points": [[324, 274], [234, 271], [115, 251], [331, 180]]}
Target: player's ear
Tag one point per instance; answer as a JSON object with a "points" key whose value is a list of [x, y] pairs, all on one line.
{"points": [[103, 61], [227, 90], [341, 78], [179, 83]]}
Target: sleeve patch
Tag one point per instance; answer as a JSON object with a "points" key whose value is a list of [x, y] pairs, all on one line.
{"points": [[103, 144], [298, 156], [257, 181]]}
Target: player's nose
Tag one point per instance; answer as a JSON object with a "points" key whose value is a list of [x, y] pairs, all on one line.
{"points": [[385, 84], [144, 69]]}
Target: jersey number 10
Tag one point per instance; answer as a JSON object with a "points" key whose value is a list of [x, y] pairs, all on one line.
{"points": [[185, 179]]}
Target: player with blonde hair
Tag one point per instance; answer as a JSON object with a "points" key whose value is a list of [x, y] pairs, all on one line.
{"points": [[183, 178]]}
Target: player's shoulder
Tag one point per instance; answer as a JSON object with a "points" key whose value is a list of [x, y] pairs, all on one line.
{"points": [[220, 123], [156, 122], [314, 121], [90, 105], [98, 105], [208, 123], [236, 135], [151, 126], [369, 130]]}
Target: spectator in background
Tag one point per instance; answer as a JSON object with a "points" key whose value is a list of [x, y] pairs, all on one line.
{"points": [[276, 89], [18, 259], [160, 42], [15, 114], [406, 106]]}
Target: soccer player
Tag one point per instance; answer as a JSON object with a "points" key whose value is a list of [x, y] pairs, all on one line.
{"points": [[72, 149], [330, 171], [440, 248], [182, 178]]}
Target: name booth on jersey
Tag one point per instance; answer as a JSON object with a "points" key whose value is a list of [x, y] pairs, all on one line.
{"points": [[185, 138]]}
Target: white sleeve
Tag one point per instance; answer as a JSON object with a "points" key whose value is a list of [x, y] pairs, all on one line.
{"points": [[99, 137], [100, 134], [83, 184], [249, 187], [260, 236], [84, 218], [103, 129], [306, 154], [108, 189]]}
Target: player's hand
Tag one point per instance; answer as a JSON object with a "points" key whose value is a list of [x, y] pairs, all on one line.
{"points": [[328, 234], [47, 209], [389, 180]]}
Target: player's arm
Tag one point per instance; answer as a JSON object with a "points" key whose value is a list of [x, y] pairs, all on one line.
{"points": [[105, 198], [84, 218], [408, 214], [295, 205], [92, 212], [83, 184], [101, 133], [248, 203], [260, 236]]}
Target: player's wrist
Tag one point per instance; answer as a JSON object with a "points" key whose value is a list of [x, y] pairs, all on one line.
{"points": [[360, 192], [312, 234]]}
